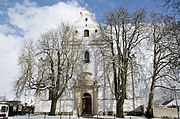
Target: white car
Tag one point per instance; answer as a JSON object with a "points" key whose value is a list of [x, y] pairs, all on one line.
{"points": [[4, 111]]}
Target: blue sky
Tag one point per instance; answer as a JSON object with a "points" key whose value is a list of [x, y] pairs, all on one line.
{"points": [[22, 20], [97, 6]]}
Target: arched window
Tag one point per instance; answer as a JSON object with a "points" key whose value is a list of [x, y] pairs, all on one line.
{"points": [[86, 57], [86, 33], [86, 104], [86, 95]]}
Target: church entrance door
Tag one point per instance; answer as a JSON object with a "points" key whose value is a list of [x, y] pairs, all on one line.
{"points": [[86, 104]]}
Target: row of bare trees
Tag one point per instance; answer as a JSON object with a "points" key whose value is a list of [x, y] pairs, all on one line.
{"points": [[50, 63], [125, 34]]}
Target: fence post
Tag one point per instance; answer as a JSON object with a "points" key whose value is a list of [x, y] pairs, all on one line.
{"points": [[78, 115], [60, 115], [69, 116], [44, 115]]}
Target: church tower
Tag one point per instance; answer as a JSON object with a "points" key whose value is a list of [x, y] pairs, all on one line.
{"points": [[86, 90]]}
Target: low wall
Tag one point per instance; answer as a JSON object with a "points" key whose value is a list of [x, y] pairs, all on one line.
{"points": [[165, 112], [43, 106]]}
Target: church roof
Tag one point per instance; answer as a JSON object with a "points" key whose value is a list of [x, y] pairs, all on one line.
{"points": [[86, 12], [86, 18], [171, 102], [166, 102]]}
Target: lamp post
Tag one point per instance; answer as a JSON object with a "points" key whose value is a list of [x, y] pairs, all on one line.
{"points": [[104, 87], [25, 95], [132, 60], [177, 106]]}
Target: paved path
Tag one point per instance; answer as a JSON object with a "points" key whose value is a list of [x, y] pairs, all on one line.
{"points": [[68, 117]]}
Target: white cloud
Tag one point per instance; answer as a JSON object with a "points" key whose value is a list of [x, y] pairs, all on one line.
{"points": [[5, 29], [9, 46], [32, 20]]}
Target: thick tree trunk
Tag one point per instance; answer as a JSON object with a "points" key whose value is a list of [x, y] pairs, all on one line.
{"points": [[149, 111], [119, 108], [53, 107]]}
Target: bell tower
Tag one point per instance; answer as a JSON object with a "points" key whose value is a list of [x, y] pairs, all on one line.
{"points": [[86, 90]]}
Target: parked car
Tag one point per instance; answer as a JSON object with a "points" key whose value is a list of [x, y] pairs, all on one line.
{"points": [[4, 111]]}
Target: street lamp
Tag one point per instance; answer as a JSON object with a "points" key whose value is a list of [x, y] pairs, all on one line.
{"points": [[132, 61]]}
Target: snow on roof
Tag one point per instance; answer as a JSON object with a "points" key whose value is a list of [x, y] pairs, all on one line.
{"points": [[174, 103], [171, 103], [85, 11], [166, 102]]}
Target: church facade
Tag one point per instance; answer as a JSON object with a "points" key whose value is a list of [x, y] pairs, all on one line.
{"points": [[90, 92]]}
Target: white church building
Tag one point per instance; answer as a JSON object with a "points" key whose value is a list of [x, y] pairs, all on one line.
{"points": [[91, 92]]}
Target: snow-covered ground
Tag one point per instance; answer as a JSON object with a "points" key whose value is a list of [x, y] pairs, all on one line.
{"points": [[67, 117]]}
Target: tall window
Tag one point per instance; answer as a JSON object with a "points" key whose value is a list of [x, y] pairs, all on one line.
{"points": [[86, 57], [86, 33], [50, 94]]}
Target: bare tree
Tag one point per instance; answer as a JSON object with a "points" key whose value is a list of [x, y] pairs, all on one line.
{"points": [[122, 34], [48, 64], [174, 41], [161, 54], [172, 5], [172, 80]]}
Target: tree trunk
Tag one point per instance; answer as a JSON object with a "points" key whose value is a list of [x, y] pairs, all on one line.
{"points": [[119, 108], [149, 112], [53, 107]]}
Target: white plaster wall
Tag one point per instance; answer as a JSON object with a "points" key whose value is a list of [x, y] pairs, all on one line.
{"points": [[42, 106], [165, 112], [128, 104], [110, 105], [65, 106]]}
